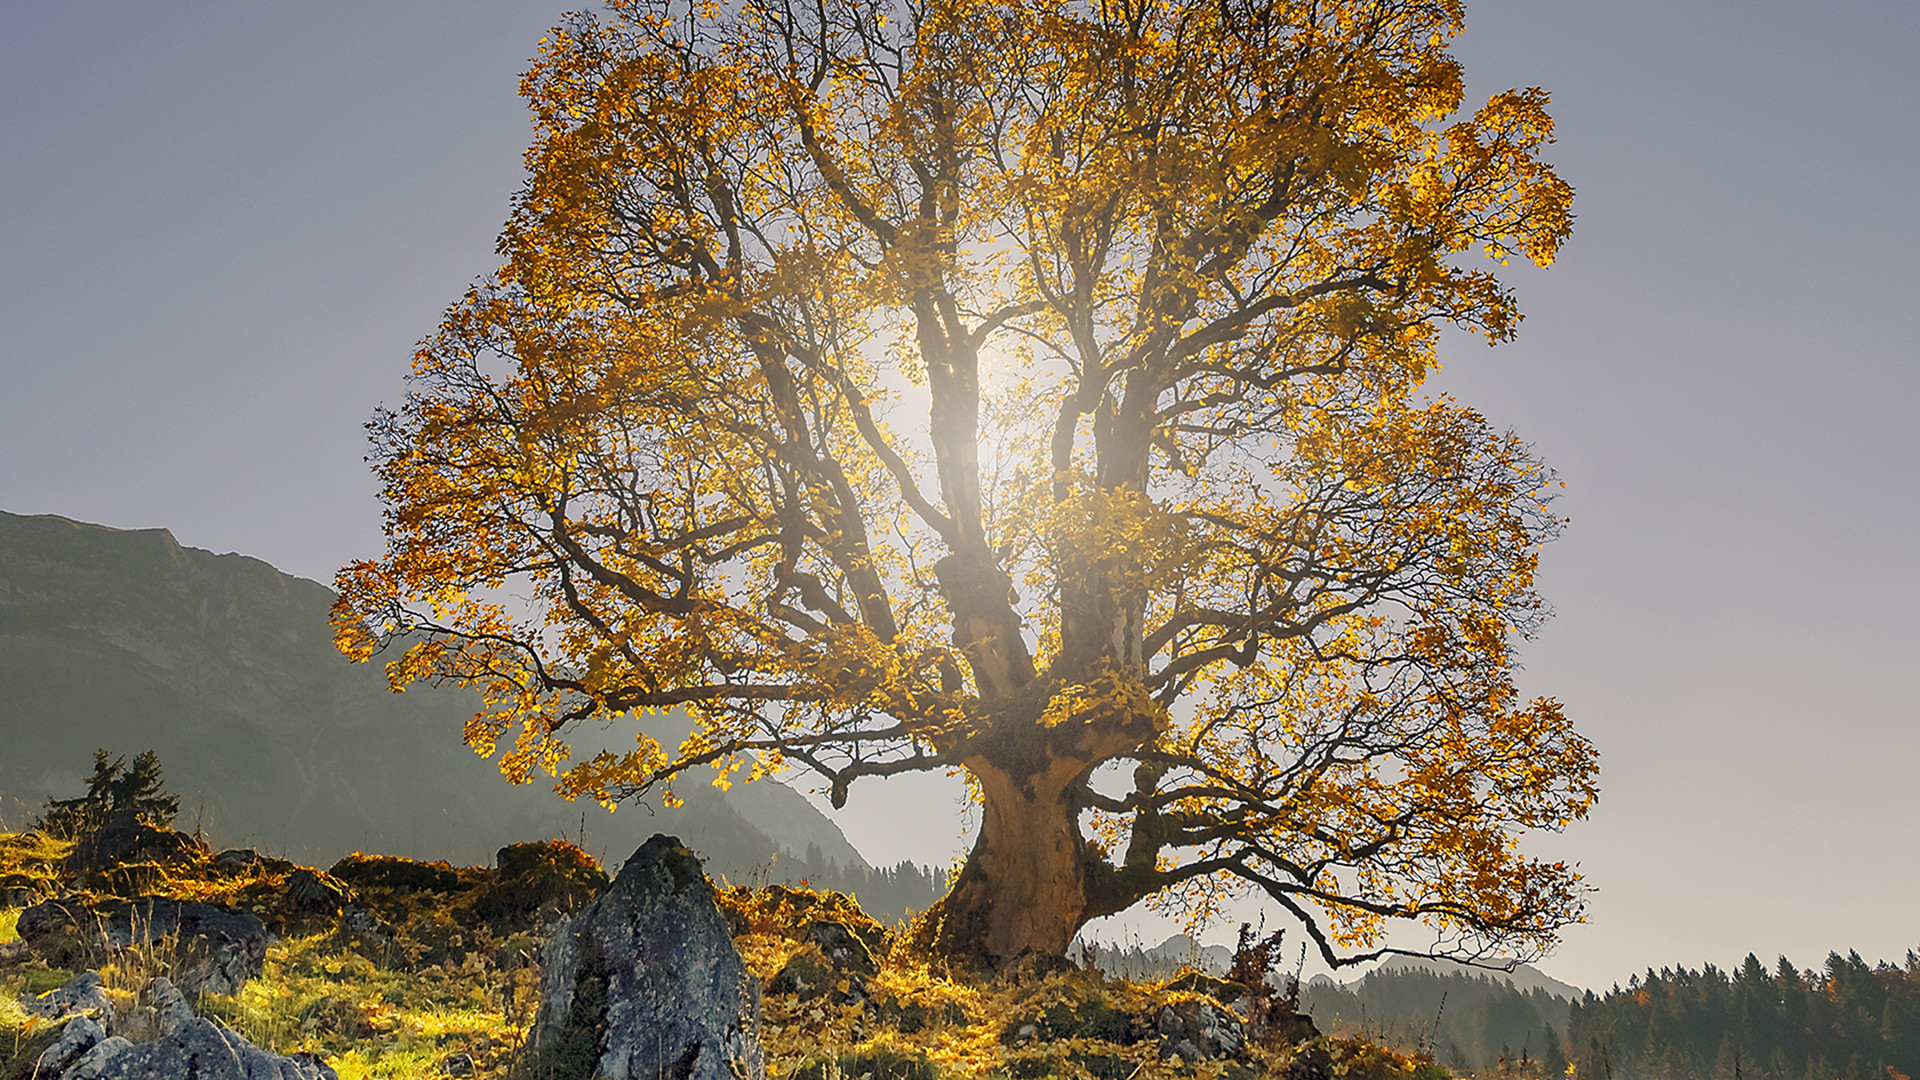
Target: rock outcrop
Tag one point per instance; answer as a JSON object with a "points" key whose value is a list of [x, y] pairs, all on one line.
{"points": [[535, 883], [834, 961], [82, 996], [216, 948], [1198, 1029], [645, 981], [186, 1045], [129, 839], [225, 667]]}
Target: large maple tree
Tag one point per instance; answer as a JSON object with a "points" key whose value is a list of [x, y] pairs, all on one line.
{"points": [[1027, 388]]}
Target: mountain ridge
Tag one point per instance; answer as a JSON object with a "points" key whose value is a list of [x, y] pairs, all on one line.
{"points": [[126, 639]]}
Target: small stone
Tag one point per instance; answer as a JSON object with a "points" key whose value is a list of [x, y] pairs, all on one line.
{"points": [[364, 924]]}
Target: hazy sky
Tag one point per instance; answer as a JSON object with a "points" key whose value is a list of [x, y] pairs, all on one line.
{"points": [[222, 227]]}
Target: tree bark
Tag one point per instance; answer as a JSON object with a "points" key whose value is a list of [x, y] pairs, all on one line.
{"points": [[1026, 886], [1033, 880]]}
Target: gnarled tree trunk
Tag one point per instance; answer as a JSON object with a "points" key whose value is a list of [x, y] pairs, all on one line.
{"points": [[1025, 887], [1033, 880]]}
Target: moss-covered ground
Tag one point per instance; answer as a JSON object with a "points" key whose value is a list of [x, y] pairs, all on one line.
{"points": [[434, 970]]}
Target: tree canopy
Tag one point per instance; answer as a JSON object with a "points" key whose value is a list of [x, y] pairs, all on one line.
{"points": [[1029, 389]]}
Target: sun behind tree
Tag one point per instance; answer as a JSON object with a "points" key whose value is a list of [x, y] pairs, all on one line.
{"points": [[1023, 389]]}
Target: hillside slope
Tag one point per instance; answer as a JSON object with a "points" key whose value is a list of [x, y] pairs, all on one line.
{"points": [[1470, 1019], [124, 639]]}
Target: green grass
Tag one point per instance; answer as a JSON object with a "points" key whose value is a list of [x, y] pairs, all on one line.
{"points": [[369, 1020], [21, 1040], [318, 995], [448, 981], [9, 923]]}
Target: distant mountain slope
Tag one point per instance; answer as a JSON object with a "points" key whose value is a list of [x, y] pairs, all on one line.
{"points": [[1525, 977], [225, 666], [1468, 1018], [1178, 953]]}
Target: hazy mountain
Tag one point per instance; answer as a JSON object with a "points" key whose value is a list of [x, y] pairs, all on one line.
{"points": [[1468, 1017], [225, 666], [1171, 956], [1526, 977]]}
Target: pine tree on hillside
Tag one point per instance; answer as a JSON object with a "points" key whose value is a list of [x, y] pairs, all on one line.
{"points": [[1847, 1020], [114, 792]]}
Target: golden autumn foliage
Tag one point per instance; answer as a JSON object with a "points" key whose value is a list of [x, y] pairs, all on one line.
{"points": [[1028, 389]]}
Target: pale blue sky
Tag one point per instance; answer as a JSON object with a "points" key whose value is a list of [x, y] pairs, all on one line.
{"points": [[222, 226]]}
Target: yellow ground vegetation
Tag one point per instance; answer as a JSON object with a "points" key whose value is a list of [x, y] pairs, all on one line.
{"points": [[428, 983]]}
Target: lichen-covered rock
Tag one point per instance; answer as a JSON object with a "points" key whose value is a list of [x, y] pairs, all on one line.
{"points": [[94, 1062], [778, 909], [170, 1009], [1086, 1017], [202, 1050], [1198, 1029], [236, 860], [80, 1035], [645, 981], [218, 948], [56, 931], [1270, 1019], [129, 839], [395, 873], [842, 948], [310, 890], [913, 1017], [805, 976], [82, 996], [186, 1046], [836, 962], [365, 926]]}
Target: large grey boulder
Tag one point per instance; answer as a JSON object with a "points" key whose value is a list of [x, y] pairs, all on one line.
{"points": [[645, 981]]}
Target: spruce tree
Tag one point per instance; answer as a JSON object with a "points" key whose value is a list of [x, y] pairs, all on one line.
{"points": [[114, 793]]}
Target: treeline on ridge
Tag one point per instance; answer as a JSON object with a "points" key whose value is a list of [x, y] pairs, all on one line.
{"points": [[889, 894], [1846, 1021]]}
